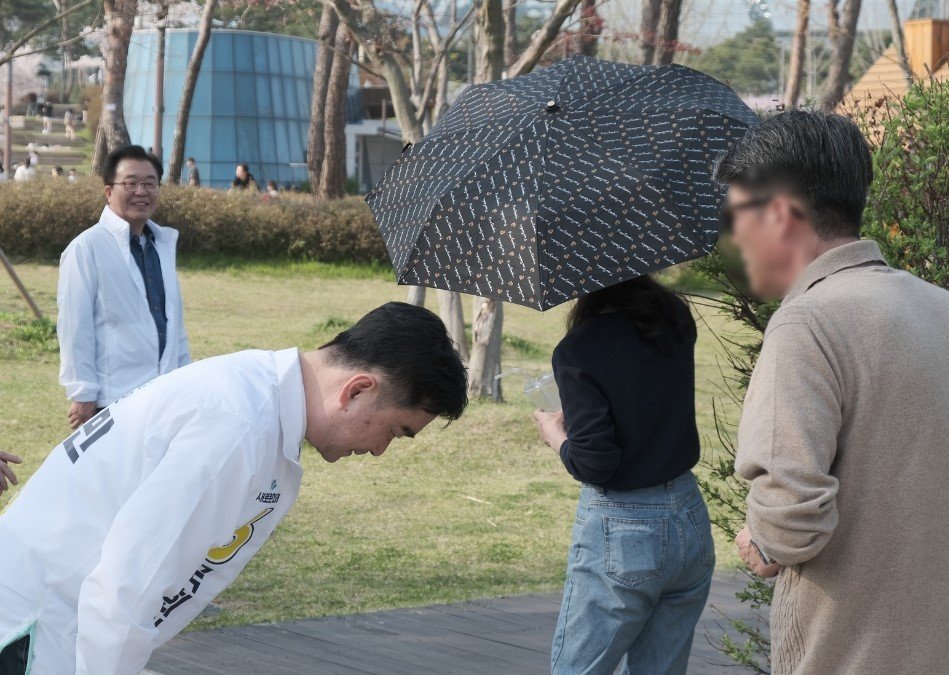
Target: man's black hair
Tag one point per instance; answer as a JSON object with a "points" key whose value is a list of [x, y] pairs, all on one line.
{"points": [[821, 158], [410, 346], [111, 163]]}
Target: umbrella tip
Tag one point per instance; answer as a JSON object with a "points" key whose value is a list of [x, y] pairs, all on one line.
{"points": [[552, 106]]}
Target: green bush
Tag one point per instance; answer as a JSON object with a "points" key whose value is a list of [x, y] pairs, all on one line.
{"points": [[39, 218]]}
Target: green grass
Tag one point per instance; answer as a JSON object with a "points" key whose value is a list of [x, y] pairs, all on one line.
{"points": [[480, 508]]}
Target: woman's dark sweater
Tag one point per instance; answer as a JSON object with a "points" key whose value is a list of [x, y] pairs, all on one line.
{"points": [[629, 404]]}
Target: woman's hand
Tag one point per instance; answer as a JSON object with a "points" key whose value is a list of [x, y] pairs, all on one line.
{"points": [[551, 428]]}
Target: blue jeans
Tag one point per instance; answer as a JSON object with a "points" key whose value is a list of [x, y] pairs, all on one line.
{"points": [[638, 576]]}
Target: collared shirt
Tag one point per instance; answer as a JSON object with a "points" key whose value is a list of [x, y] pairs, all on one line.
{"points": [[150, 267], [150, 510]]}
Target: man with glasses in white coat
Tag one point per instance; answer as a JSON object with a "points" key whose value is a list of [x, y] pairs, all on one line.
{"points": [[120, 321]]}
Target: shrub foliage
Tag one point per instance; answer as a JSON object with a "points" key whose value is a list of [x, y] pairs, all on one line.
{"points": [[39, 218]]}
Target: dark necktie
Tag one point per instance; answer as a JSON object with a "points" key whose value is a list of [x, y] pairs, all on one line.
{"points": [[150, 267]]}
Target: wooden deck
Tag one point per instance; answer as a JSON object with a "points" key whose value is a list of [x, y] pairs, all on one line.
{"points": [[495, 636]]}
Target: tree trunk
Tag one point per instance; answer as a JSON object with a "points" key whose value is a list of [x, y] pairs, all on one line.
{"points": [[842, 31], [591, 25], [485, 363], [648, 30], [325, 53], [333, 180], [65, 50], [489, 41], [99, 148], [452, 314], [157, 144], [899, 41], [416, 296], [119, 19], [187, 92], [488, 314], [510, 32], [799, 44], [668, 30]]}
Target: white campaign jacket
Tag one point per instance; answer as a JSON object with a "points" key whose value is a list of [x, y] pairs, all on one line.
{"points": [[108, 343], [149, 510]]}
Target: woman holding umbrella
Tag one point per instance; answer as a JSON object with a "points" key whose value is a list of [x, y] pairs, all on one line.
{"points": [[641, 560], [573, 183]]}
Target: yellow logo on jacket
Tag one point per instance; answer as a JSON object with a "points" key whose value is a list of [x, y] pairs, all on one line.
{"points": [[242, 535]]}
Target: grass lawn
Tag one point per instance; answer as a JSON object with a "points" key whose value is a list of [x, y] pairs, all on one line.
{"points": [[478, 509]]}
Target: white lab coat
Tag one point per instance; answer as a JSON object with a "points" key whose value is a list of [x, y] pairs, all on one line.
{"points": [[108, 343], [145, 514]]}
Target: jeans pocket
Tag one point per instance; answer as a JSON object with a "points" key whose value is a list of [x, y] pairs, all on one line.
{"points": [[702, 526], [635, 549]]}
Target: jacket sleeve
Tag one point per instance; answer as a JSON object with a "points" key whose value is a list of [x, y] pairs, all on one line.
{"points": [[184, 350], [75, 323], [189, 503], [787, 442], [590, 452]]}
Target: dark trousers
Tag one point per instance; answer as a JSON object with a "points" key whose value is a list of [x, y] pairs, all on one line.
{"points": [[14, 657]]}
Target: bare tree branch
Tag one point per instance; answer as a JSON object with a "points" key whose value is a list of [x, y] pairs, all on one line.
{"points": [[11, 54], [543, 38]]}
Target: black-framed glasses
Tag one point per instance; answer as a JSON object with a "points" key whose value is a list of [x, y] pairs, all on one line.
{"points": [[150, 186], [729, 210]]}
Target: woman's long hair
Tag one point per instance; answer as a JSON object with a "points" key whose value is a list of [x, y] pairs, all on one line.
{"points": [[653, 309]]}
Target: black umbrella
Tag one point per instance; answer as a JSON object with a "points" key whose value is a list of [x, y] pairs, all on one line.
{"points": [[544, 187]]}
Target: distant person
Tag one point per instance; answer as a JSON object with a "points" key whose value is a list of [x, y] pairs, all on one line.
{"points": [[31, 105], [47, 118], [3, 173], [194, 176], [243, 180], [120, 320], [844, 435], [73, 175], [136, 522], [272, 191], [641, 560], [57, 171], [24, 172], [34, 158], [69, 120]]}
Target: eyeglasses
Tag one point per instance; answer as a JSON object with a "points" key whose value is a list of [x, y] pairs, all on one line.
{"points": [[150, 186], [729, 210]]}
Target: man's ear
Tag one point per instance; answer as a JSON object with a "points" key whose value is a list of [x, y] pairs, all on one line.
{"points": [[785, 214], [355, 386]]}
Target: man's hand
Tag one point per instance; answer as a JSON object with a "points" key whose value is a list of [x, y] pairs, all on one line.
{"points": [[80, 413], [6, 473], [748, 552], [551, 428]]}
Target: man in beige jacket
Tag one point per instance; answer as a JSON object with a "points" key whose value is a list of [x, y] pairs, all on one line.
{"points": [[845, 431]]}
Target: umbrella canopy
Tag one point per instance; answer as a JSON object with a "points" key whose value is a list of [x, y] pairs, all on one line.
{"points": [[548, 186]]}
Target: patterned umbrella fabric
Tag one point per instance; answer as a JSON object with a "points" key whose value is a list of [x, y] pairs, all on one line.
{"points": [[542, 188]]}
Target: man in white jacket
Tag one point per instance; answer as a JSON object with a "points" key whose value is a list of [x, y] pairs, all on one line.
{"points": [[141, 517], [120, 320]]}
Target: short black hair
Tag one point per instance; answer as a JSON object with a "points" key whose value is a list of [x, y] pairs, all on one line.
{"points": [[822, 158], [111, 163], [190, 159], [411, 347]]}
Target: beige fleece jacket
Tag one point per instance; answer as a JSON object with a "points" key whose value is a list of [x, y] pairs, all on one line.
{"points": [[845, 439]]}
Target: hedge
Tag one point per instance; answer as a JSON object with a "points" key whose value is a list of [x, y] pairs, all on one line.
{"points": [[39, 218]]}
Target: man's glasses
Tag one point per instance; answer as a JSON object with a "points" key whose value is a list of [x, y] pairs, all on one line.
{"points": [[150, 186], [729, 210]]}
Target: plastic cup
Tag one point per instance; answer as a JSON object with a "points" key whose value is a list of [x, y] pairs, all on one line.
{"points": [[543, 393]]}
